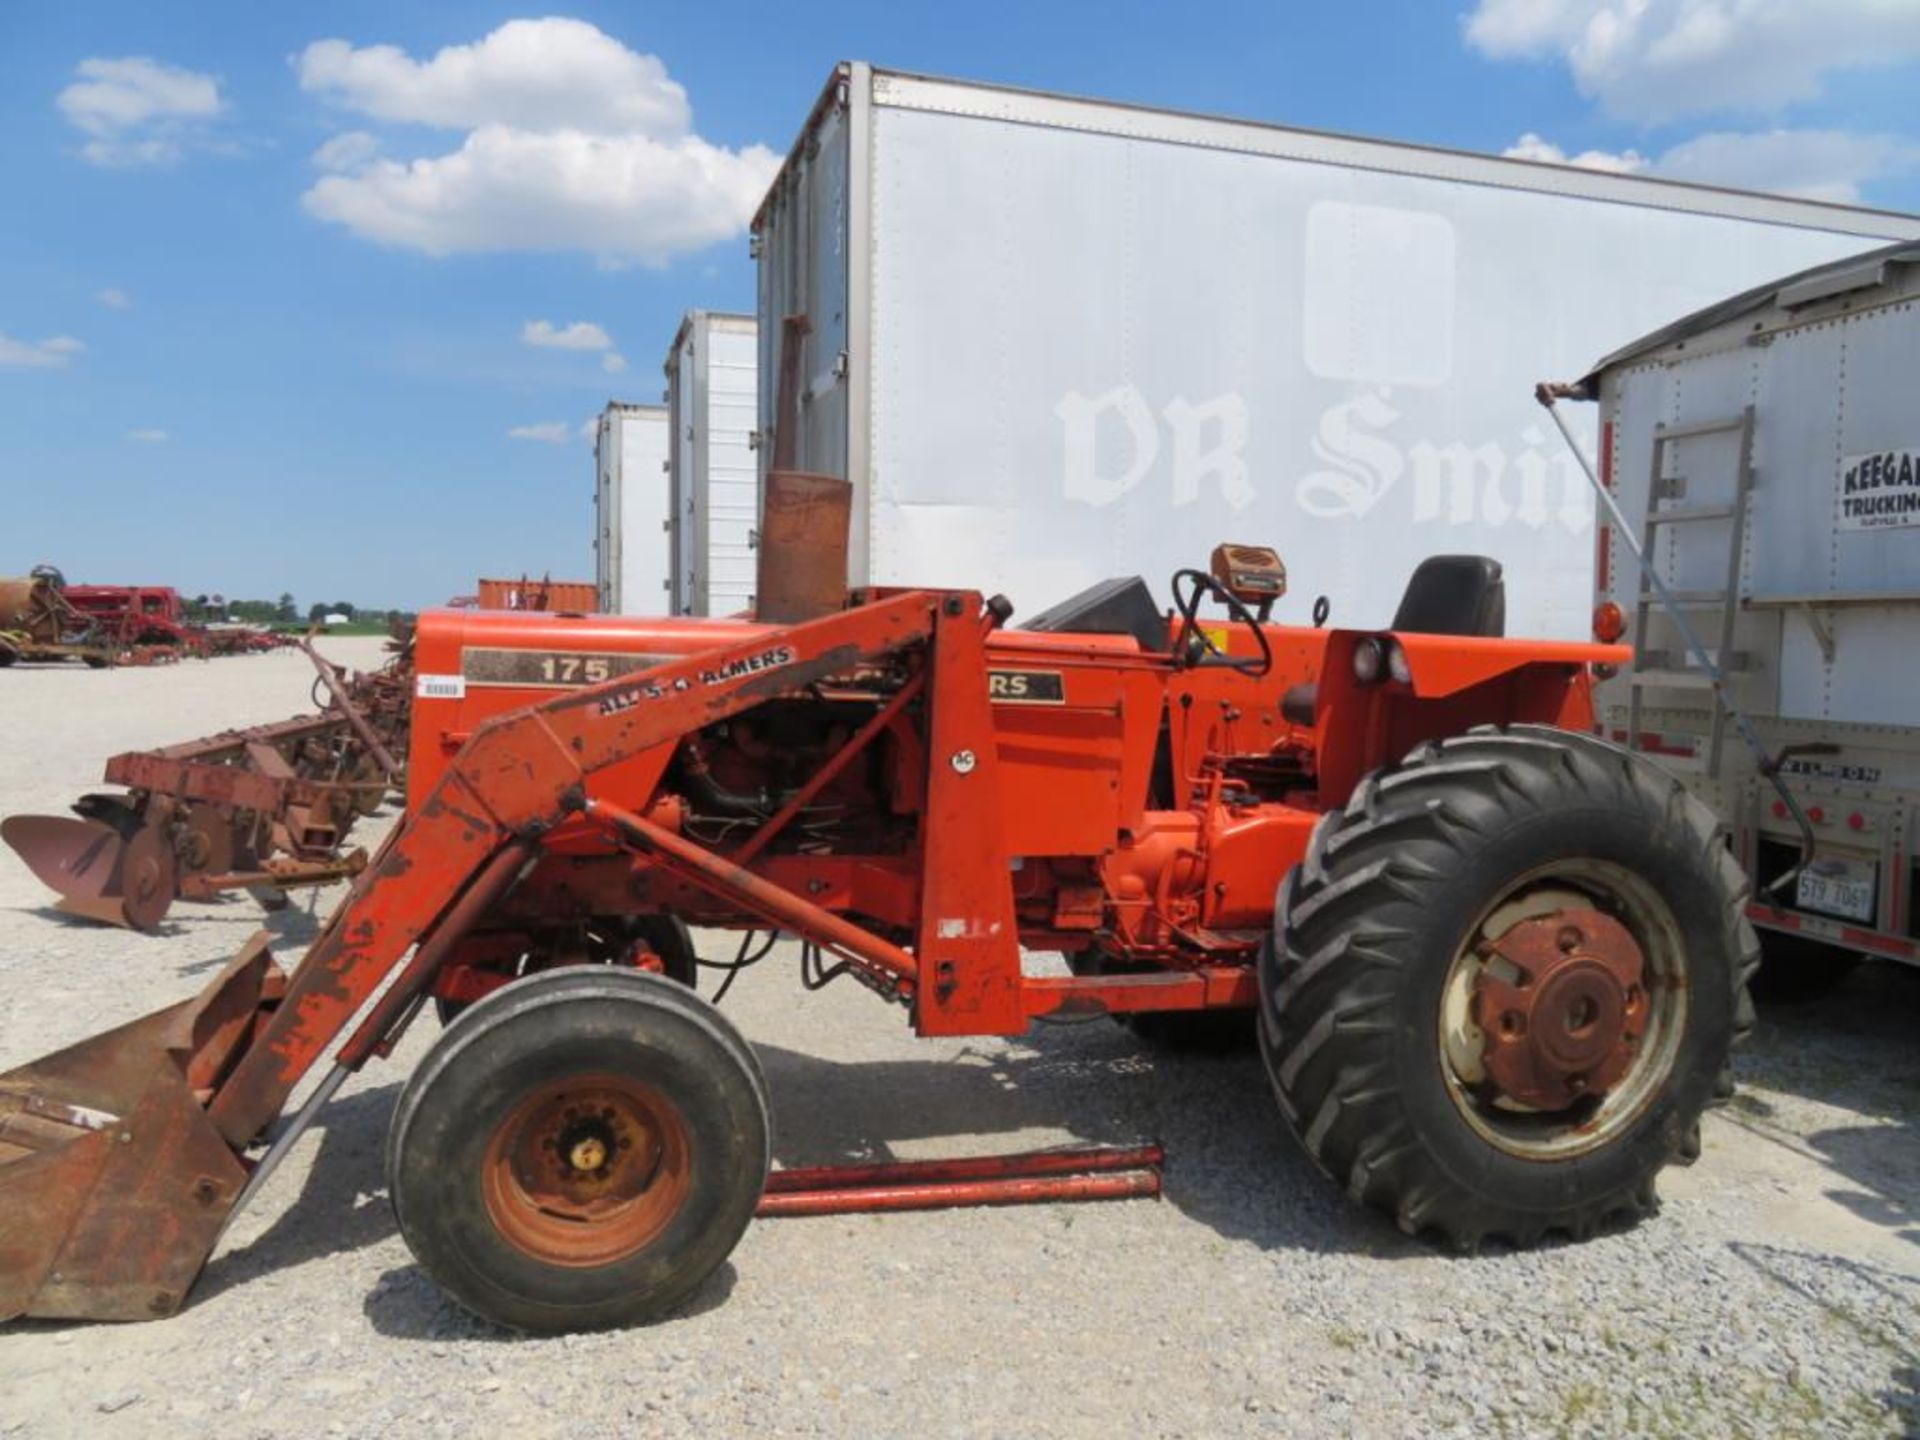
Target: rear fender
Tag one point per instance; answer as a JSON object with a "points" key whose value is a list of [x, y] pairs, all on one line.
{"points": [[1453, 684]]}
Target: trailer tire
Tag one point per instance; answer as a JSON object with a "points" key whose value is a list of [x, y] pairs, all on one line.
{"points": [[1797, 968], [1391, 946], [580, 1150]]}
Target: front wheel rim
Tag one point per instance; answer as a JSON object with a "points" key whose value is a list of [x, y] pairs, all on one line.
{"points": [[587, 1170], [1563, 1010]]}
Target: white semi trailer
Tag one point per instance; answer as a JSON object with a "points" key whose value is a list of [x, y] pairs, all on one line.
{"points": [[1054, 340], [1766, 453], [712, 398], [633, 510]]}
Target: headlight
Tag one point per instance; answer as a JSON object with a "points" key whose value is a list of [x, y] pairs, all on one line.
{"points": [[1397, 663], [1369, 660]]}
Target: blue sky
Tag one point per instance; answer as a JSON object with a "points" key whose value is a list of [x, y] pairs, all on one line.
{"points": [[244, 348]]}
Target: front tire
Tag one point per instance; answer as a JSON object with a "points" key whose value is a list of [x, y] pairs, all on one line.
{"points": [[1504, 984], [580, 1150]]}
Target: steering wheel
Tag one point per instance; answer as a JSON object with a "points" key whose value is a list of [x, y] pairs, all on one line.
{"points": [[1186, 603]]}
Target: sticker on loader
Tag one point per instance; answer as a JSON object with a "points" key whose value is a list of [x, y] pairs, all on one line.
{"points": [[1026, 687], [550, 669]]}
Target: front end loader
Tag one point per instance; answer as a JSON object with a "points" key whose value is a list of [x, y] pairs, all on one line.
{"points": [[1494, 964]]}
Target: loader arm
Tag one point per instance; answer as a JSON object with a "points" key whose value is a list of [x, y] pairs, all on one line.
{"points": [[519, 775]]}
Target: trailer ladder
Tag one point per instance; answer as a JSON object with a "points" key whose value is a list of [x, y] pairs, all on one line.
{"points": [[1661, 669]]}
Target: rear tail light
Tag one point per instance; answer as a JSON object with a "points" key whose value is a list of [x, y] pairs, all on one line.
{"points": [[1609, 622]]}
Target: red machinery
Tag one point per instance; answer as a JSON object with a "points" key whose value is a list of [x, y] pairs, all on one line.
{"points": [[575, 596], [1497, 990], [38, 623], [136, 616]]}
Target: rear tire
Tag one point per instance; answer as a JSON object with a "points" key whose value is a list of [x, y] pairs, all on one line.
{"points": [[1421, 883], [1796, 968], [580, 1150]]}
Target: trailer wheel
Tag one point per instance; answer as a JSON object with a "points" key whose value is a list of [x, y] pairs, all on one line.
{"points": [[580, 1150], [1504, 985], [1798, 968]]}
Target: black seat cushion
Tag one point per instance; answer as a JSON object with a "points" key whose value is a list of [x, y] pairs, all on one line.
{"points": [[1454, 595]]}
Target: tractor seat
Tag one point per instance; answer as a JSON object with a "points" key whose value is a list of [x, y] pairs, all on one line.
{"points": [[1448, 595]]}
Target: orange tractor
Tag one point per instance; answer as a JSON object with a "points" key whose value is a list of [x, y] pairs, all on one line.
{"points": [[1495, 964]]}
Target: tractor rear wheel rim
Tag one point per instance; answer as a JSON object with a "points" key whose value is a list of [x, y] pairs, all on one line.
{"points": [[587, 1170], [1563, 1010]]}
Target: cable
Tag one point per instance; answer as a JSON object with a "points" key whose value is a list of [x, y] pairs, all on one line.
{"points": [[741, 961], [812, 974]]}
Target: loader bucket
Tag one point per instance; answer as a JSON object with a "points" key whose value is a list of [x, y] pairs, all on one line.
{"points": [[114, 1184], [97, 874]]}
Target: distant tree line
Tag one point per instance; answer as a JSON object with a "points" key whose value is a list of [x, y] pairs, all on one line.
{"points": [[284, 611]]}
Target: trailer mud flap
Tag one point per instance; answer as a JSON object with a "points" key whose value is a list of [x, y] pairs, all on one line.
{"points": [[114, 1183]]}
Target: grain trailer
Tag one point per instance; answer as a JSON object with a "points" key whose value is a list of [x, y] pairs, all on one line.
{"points": [[1766, 451]]}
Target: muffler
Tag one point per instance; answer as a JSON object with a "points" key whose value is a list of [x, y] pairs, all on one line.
{"points": [[114, 1183]]}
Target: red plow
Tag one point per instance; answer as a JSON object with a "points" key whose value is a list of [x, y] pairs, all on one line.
{"points": [[264, 809]]}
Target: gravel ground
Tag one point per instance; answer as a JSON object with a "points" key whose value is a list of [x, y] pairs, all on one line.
{"points": [[1777, 1292]]}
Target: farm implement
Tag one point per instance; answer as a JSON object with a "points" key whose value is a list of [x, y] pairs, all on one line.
{"points": [[266, 809]]}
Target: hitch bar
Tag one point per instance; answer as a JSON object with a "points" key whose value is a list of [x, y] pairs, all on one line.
{"points": [[1092, 1172]]}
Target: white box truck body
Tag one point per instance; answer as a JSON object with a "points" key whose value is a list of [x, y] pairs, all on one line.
{"points": [[1766, 452], [633, 510], [712, 397], [1056, 340]]}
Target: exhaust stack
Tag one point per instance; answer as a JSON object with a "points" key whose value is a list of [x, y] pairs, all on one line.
{"points": [[804, 518]]}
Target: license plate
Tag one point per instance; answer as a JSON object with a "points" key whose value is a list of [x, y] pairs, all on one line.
{"points": [[1839, 887]]}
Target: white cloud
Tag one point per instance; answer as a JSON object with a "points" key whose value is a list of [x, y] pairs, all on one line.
{"points": [[1653, 60], [550, 74], [621, 199], [137, 110], [114, 299], [580, 335], [613, 363], [1811, 164], [149, 436], [548, 432], [1531, 147], [573, 142], [49, 354], [347, 152]]}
